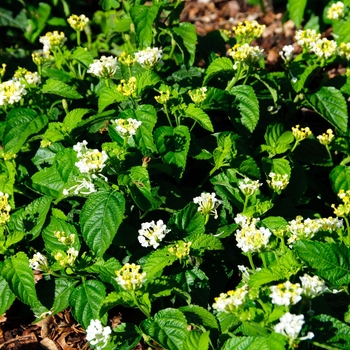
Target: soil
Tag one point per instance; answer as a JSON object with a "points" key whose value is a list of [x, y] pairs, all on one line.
{"points": [[61, 331]]}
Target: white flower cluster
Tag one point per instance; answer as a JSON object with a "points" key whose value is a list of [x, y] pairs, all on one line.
{"points": [[66, 258], [126, 127], [246, 54], [207, 204], [249, 237], [312, 286], [84, 187], [26, 77], [152, 233], [278, 182], [336, 11], [11, 92], [149, 57], [90, 160], [39, 262], [287, 53], [104, 68], [97, 335], [306, 229], [78, 23], [306, 38], [290, 326], [286, 293], [129, 277], [52, 41], [231, 301], [248, 186], [246, 273]]}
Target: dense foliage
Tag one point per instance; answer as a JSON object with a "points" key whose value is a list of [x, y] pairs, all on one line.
{"points": [[146, 168]]}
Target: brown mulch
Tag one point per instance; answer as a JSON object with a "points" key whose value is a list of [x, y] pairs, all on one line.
{"points": [[61, 331]]}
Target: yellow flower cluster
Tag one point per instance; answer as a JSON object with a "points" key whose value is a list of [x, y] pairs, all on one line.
{"points": [[39, 58], [127, 88], [4, 209], [278, 182], [66, 258], [229, 302], [306, 38], [336, 11], [129, 277], [199, 95], [343, 210], [64, 238], [126, 59], [344, 51], [324, 48], [163, 98], [52, 41], [301, 134], [247, 31], [180, 250], [78, 23], [326, 138], [3, 70], [246, 54]]}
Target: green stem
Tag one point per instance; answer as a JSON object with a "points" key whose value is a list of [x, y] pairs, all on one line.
{"points": [[348, 229], [250, 257], [78, 38], [235, 78], [345, 161], [245, 203], [263, 260], [167, 114], [193, 126], [295, 145], [329, 153], [107, 82], [140, 306], [125, 142]]}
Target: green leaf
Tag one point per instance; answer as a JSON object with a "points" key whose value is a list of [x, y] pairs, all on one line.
{"points": [[296, 10], [220, 66], [275, 223], [63, 290], [197, 340], [60, 88], [56, 74], [146, 79], [114, 299], [330, 332], [143, 17], [168, 329], [8, 176], [51, 241], [147, 115], [105, 269], [20, 124], [128, 336], [156, 262], [7, 20], [330, 260], [331, 105], [100, 218], [108, 96], [140, 189], [340, 178], [73, 118], [83, 56], [37, 21], [199, 116], [85, 301], [173, 145], [6, 296], [277, 166], [247, 104], [343, 31], [227, 321], [274, 341], [20, 278], [198, 316], [301, 72], [108, 4], [186, 40], [203, 241]]}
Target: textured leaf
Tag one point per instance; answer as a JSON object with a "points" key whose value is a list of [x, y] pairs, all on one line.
{"points": [[203, 241], [60, 88], [143, 18], [48, 181], [105, 269], [187, 32], [128, 336], [199, 116], [301, 72], [331, 261], [340, 178], [6, 296], [247, 105], [108, 96], [173, 145], [146, 79], [199, 316], [20, 278], [85, 301], [222, 66], [73, 118], [169, 328], [100, 218], [227, 321], [82, 56], [197, 340], [114, 299], [296, 10], [331, 105], [63, 290], [147, 115], [273, 342], [156, 262], [37, 20], [20, 124]]}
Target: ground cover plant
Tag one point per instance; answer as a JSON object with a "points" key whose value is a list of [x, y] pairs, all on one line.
{"points": [[145, 168]]}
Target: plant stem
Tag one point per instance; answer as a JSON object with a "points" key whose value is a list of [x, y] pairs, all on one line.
{"points": [[251, 261], [167, 114]]}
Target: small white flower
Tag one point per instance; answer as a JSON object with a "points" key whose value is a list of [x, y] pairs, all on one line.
{"points": [[207, 204], [287, 53], [129, 277], [104, 68], [39, 262], [286, 293], [84, 187], [232, 300], [290, 326], [336, 11], [126, 127], [324, 48], [151, 234], [97, 335], [52, 41], [248, 186], [312, 286], [11, 92], [149, 58]]}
